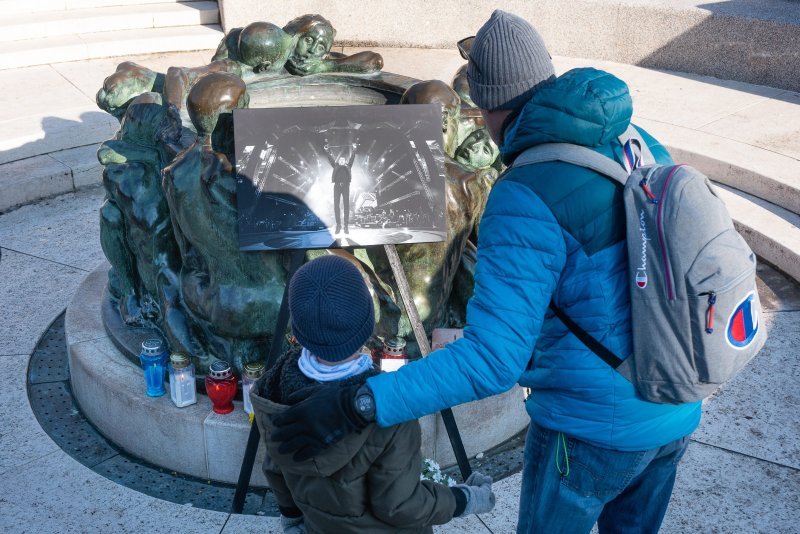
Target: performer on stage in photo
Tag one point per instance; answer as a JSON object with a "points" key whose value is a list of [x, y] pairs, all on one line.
{"points": [[341, 186]]}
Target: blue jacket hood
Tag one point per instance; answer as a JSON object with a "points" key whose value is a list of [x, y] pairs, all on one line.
{"points": [[583, 106]]}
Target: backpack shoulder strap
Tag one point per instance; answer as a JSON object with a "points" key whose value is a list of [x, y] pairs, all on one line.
{"points": [[574, 154], [635, 151]]}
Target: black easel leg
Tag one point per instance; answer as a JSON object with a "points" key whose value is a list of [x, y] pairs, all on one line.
{"points": [[449, 421], [274, 351]]}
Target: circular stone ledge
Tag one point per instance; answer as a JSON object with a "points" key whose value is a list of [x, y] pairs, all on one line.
{"points": [[110, 391]]}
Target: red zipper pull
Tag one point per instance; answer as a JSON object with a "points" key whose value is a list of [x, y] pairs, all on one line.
{"points": [[647, 191], [712, 299]]}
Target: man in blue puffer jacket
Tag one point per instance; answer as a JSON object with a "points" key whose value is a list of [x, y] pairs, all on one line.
{"points": [[595, 451]]}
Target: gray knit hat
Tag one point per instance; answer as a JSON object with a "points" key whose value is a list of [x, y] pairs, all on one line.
{"points": [[508, 61], [331, 307]]}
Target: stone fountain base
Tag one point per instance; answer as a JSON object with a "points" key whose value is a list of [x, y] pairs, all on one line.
{"points": [[110, 390]]}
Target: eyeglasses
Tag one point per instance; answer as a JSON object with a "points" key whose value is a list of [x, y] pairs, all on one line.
{"points": [[464, 47]]}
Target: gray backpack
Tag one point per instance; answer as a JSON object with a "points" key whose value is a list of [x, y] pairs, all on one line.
{"points": [[695, 309]]}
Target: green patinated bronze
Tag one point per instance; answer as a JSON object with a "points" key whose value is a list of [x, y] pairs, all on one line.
{"points": [[169, 221]]}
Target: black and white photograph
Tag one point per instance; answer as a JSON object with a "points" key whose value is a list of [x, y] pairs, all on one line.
{"points": [[343, 176]]}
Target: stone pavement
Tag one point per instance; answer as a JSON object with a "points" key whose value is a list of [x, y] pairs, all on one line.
{"points": [[742, 471]]}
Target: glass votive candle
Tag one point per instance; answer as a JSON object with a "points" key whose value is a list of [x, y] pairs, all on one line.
{"points": [[182, 387], [154, 361], [221, 386], [394, 354], [252, 372]]}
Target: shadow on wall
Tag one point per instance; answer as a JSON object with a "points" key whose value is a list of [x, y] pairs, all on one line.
{"points": [[754, 41]]}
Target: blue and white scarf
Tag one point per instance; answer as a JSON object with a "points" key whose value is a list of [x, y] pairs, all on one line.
{"points": [[313, 369]]}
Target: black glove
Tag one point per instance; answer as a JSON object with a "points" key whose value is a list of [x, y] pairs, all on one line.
{"points": [[320, 416]]}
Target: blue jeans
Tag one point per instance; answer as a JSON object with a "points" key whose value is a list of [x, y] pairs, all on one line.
{"points": [[568, 485]]}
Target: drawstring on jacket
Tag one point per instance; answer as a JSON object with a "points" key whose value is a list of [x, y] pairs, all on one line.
{"points": [[562, 445]]}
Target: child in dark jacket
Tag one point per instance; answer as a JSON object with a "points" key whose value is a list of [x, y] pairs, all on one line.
{"points": [[368, 481]]}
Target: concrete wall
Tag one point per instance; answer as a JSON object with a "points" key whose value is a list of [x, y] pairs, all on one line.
{"points": [[752, 41]]}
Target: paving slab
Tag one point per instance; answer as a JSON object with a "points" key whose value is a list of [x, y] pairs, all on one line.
{"points": [[31, 179], [36, 90], [772, 124], [22, 440], [83, 165], [46, 132], [65, 229], [87, 76], [716, 491], [34, 291], [251, 524], [79, 500], [506, 509], [758, 412], [720, 492]]}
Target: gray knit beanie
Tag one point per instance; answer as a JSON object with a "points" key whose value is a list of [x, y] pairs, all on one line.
{"points": [[508, 61], [332, 311]]}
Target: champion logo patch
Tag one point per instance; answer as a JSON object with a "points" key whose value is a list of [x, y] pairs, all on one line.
{"points": [[743, 323], [641, 271]]}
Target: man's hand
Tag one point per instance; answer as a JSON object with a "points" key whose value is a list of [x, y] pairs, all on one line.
{"points": [[320, 416]]}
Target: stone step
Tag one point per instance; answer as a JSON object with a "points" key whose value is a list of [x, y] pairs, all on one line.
{"points": [[108, 44], [757, 171], [30, 26], [771, 231], [15, 7]]}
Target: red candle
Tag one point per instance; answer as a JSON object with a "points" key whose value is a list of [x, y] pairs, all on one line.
{"points": [[221, 386]]}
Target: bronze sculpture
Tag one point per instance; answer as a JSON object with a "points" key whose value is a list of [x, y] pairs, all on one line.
{"points": [[173, 245], [232, 296]]}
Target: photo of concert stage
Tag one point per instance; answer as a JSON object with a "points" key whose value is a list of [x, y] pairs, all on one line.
{"points": [[341, 176]]}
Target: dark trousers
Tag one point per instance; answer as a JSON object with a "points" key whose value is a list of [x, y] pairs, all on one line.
{"points": [[341, 190]]}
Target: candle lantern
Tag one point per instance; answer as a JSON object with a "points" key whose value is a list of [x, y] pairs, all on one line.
{"points": [[182, 388], [221, 386], [252, 372], [154, 362], [394, 354]]}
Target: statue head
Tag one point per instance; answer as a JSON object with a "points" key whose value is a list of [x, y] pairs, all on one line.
{"points": [[264, 47], [315, 37], [437, 92], [461, 86], [148, 122], [477, 150], [210, 105], [342, 161], [128, 81]]}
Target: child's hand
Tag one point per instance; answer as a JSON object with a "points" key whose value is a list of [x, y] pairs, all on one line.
{"points": [[480, 497]]}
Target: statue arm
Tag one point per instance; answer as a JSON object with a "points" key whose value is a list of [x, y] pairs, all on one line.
{"points": [[179, 80], [118, 151], [358, 63]]}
